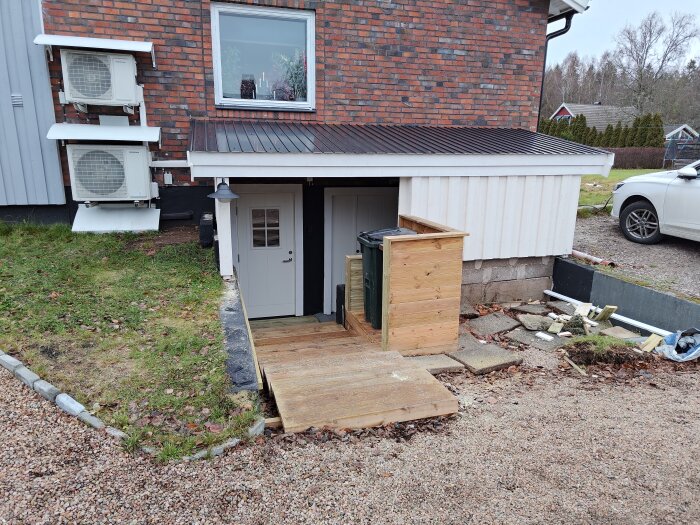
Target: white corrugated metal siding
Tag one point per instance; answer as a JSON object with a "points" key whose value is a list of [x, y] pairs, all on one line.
{"points": [[29, 166], [508, 216]]}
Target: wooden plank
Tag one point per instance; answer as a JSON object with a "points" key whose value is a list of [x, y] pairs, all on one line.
{"points": [[301, 337], [421, 318], [282, 321], [281, 331], [427, 242], [424, 225], [389, 397], [424, 306], [315, 343], [251, 338], [273, 422], [354, 292], [357, 322]]}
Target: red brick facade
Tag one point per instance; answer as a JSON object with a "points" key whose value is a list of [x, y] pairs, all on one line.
{"points": [[424, 62]]}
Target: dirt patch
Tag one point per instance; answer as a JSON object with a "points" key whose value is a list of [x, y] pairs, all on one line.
{"points": [[588, 354], [150, 244], [670, 266], [50, 351]]}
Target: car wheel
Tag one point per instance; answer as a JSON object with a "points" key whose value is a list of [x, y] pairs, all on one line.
{"points": [[640, 223]]}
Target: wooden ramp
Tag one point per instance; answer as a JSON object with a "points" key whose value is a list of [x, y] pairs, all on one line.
{"points": [[322, 375]]}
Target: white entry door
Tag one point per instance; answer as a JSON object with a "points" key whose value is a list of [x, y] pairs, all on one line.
{"points": [[266, 248], [349, 211]]}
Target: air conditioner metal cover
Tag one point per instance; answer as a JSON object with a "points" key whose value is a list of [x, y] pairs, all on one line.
{"points": [[107, 218]]}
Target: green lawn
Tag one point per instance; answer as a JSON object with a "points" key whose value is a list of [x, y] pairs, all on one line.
{"points": [[126, 324], [598, 194]]}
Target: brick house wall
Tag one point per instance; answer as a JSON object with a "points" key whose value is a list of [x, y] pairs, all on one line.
{"points": [[447, 63]]}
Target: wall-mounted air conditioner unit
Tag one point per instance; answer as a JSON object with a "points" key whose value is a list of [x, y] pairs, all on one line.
{"points": [[109, 173], [104, 79]]}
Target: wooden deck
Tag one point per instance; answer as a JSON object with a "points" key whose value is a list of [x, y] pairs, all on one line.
{"points": [[322, 375]]}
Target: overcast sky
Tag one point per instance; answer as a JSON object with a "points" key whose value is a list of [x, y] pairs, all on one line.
{"points": [[594, 31]]}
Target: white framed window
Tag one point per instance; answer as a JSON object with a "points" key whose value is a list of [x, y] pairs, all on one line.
{"points": [[264, 57]]}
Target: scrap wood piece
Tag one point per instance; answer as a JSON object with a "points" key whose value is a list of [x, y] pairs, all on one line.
{"points": [[574, 365], [652, 342], [273, 422], [605, 313], [583, 309], [556, 327]]}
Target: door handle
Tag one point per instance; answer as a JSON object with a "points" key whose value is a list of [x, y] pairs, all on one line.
{"points": [[287, 260]]}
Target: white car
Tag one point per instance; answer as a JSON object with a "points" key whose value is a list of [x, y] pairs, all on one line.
{"points": [[657, 204]]}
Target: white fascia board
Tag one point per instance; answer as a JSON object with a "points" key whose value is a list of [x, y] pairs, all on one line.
{"points": [[578, 5], [94, 132], [558, 110], [293, 165], [131, 46], [685, 127]]}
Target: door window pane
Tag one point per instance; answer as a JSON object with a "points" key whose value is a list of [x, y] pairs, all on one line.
{"points": [[273, 218], [265, 224], [273, 237], [259, 238], [258, 218]]}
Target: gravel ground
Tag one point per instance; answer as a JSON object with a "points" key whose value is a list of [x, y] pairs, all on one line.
{"points": [[673, 265], [532, 446]]}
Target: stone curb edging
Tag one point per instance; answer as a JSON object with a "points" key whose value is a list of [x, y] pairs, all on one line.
{"points": [[71, 407], [48, 391]]}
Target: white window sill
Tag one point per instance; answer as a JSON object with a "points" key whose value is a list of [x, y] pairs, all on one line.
{"points": [[264, 107]]}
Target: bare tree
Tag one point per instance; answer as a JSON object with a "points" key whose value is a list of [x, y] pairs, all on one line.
{"points": [[646, 52]]}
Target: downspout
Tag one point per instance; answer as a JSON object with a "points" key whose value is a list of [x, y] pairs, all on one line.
{"points": [[551, 36]]}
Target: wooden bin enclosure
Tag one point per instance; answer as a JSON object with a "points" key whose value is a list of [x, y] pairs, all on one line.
{"points": [[422, 281]]}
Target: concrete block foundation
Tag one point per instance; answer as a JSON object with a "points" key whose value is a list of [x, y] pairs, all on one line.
{"points": [[506, 280]]}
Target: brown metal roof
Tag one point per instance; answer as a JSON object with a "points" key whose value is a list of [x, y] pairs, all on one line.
{"points": [[248, 136]]}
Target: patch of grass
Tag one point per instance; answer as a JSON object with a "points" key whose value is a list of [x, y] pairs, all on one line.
{"points": [[599, 344], [128, 325], [598, 194]]}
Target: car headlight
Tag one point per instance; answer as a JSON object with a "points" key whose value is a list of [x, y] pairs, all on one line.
{"points": [[618, 186]]}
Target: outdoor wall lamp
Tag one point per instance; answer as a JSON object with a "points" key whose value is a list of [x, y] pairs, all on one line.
{"points": [[223, 193]]}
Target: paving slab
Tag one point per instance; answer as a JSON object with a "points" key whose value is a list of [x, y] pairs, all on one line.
{"points": [[535, 309], [486, 358], [468, 311], [437, 364], [521, 335], [562, 307], [468, 342], [535, 322], [619, 332], [493, 323]]}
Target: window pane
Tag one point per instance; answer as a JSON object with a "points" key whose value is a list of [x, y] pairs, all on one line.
{"points": [[273, 217], [263, 58], [258, 218], [273, 237], [258, 238]]}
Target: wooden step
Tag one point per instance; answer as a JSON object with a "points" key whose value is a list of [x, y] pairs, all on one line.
{"points": [[281, 322]]}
